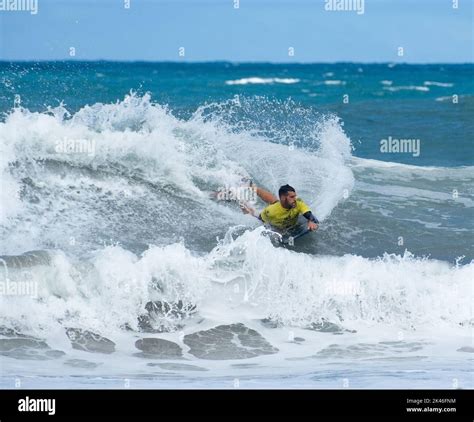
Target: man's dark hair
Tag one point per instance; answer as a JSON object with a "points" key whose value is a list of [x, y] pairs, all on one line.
{"points": [[285, 189]]}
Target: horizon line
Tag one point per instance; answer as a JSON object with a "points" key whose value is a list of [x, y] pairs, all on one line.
{"points": [[225, 62]]}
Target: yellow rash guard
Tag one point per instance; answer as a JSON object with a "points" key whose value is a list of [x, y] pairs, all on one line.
{"points": [[283, 218]]}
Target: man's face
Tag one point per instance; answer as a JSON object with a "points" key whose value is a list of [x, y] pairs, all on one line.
{"points": [[288, 200]]}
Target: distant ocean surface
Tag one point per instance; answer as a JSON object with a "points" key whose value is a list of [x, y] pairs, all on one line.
{"points": [[106, 170], [402, 101]]}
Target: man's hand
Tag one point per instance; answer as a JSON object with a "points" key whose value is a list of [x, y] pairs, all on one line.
{"points": [[312, 226], [246, 209]]}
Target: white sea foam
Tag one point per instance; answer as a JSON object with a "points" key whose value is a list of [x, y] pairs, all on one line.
{"points": [[440, 84], [407, 88], [256, 80]]}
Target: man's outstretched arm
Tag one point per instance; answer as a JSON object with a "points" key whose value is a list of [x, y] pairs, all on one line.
{"points": [[266, 196]]}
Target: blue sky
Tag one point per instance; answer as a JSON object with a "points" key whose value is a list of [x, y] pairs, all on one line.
{"points": [[430, 31]]}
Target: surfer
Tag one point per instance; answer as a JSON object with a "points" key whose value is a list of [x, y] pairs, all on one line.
{"points": [[282, 213]]}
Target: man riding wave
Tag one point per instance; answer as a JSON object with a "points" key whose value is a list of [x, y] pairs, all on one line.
{"points": [[283, 214]]}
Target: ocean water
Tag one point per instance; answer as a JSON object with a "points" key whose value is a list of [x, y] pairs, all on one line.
{"points": [[119, 270]]}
